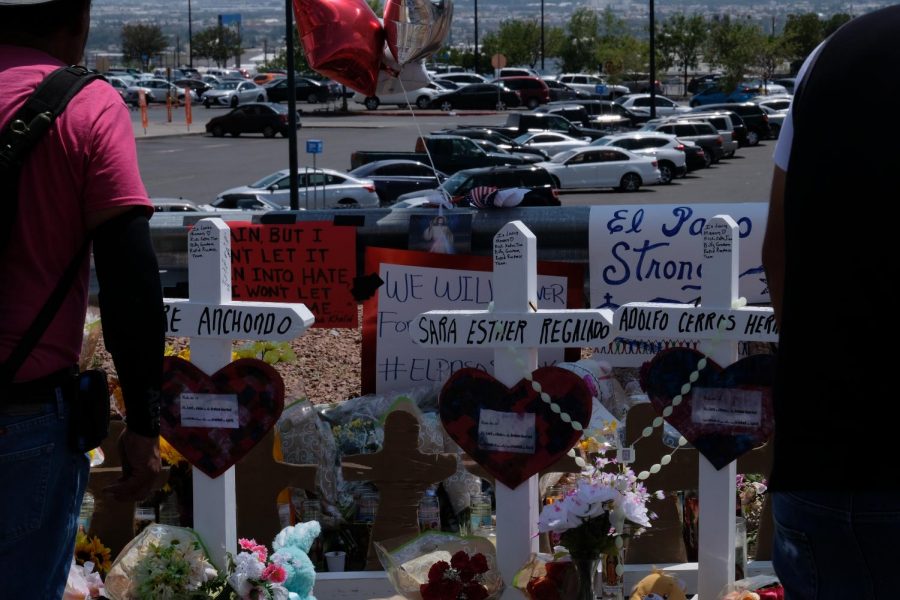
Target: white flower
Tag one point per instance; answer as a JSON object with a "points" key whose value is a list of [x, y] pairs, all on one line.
{"points": [[246, 568]]}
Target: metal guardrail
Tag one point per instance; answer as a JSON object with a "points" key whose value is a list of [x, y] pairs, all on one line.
{"points": [[562, 233]]}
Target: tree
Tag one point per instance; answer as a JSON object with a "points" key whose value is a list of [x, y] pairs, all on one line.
{"points": [[771, 55], [300, 64], [681, 42], [832, 23], [618, 51], [734, 45], [140, 43], [375, 5], [518, 40], [802, 33], [217, 44], [579, 49]]}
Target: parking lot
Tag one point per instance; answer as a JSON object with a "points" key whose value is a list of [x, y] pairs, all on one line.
{"points": [[177, 162]]}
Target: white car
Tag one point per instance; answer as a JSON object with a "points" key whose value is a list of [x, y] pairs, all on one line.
{"points": [[320, 188], [639, 104], [667, 149], [155, 90], [461, 78], [596, 86], [600, 167], [550, 142], [421, 97], [236, 204], [232, 92]]}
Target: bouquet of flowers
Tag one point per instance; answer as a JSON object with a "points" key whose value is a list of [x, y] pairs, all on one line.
{"points": [[460, 579], [607, 501], [253, 577]]}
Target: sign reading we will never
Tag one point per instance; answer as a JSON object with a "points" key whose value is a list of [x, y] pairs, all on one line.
{"points": [[312, 262]]}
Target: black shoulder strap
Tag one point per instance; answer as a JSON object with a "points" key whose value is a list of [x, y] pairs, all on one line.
{"points": [[17, 139]]}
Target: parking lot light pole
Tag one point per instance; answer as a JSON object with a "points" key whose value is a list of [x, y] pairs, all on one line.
{"points": [[652, 61], [190, 39], [292, 105], [542, 37]]}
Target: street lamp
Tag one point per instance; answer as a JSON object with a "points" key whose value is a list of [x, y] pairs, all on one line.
{"points": [[652, 61], [542, 36], [190, 39], [476, 36]]}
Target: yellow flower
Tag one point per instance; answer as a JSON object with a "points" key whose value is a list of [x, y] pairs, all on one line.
{"points": [[170, 455], [93, 550]]}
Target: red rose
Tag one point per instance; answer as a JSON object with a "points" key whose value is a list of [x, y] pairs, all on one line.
{"points": [[542, 588], [437, 570], [460, 560], [450, 589], [475, 591], [557, 570], [430, 591], [466, 574], [478, 563]]}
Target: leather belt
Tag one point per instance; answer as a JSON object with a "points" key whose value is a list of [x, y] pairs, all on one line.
{"points": [[38, 391]]}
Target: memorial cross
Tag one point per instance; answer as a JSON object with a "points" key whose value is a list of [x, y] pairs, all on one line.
{"points": [[514, 323], [212, 320], [719, 324]]}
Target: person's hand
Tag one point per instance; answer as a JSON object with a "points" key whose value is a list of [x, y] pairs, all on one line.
{"points": [[140, 466]]}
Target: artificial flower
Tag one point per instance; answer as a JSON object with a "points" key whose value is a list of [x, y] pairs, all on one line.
{"points": [[92, 550]]}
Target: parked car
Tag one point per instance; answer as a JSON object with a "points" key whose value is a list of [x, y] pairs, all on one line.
{"points": [[179, 205], [789, 83], [396, 177], [319, 187], [723, 124], [776, 120], [573, 112], [307, 90], [240, 204], [460, 78], [639, 83], [232, 92], [155, 90], [488, 96], [264, 78], [257, 117], [118, 84], [551, 142], [716, 95], [543, 189], [776, 103], [701, 133], [503, 141], [200, 87], [607, 114], [517, 72], [532, 90], [560, 91], [593, 85], [695, 156], [420, 97], [702, 82], [668, 150], [594, 167], [640, 104], [755, 119]]}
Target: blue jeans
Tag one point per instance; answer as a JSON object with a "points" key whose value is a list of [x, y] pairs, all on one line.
{"points": [[42, 483], [837, 545]]}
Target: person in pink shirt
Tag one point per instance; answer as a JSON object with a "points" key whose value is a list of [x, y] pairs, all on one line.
{"points": [[81, 180]]}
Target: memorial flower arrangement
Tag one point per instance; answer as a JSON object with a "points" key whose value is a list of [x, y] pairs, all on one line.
{"points": [[460, 579], [91, 550], [751, 490], [252, 576], [174, 570]]}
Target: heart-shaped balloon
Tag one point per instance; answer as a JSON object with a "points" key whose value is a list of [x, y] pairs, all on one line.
{"points": [[343, 40], [512, 433], [416, 29], [726, 413], [215, 421]]}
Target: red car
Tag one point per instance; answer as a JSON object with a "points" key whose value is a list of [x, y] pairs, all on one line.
{"points": [[533, 90]]}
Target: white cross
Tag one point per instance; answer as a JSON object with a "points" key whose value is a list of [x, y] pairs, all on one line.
{"points": [[212, 320], [719, 324], [514, 322]]}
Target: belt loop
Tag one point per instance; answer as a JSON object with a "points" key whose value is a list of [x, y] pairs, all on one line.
{"points": [[60, 403]]}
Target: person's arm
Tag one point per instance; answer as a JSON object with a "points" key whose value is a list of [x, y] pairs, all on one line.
{"points": [[133, 321], [773, 243]]}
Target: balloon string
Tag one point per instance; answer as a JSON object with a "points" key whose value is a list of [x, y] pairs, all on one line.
{"points": [[425, 146]]}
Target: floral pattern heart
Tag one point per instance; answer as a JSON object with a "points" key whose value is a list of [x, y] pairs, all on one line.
{"points": [[726, 413], [251, 398], [512, 433]]}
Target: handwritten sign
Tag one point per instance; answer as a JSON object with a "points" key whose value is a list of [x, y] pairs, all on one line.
{"points": [[506, 431], [509, 247], [546, 328], [416, 282], [678, 320], [313, 263], [726, 406], [209, 410], [237, 321]]}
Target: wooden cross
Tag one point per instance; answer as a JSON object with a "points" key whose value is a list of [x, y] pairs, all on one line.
{"points": [[212, 320], [514, 322], [260, 478], [402, 474], [719, 324]]}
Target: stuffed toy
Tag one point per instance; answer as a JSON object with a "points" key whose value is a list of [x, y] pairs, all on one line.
{"points": [[658, 586], [291, 547]]}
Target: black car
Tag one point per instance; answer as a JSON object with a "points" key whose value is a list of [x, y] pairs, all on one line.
{"points": [[489, 96], [308, 90], [542, 189], [195, 84], [573, 112], [695, 158], [701, 133], [606, 113], [755, 119], [560, 91], [395, 177], [257, 117], [502, 141]]}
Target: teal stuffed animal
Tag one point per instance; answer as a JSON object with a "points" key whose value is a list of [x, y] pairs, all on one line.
{"points": [[291, 552]]}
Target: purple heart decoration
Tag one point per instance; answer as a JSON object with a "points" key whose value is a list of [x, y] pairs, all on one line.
{"points": [[512, 433], [726, 413], [214, 421]]}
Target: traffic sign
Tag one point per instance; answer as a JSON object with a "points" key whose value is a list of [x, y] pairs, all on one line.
{"points": [[314, 146], [600, 88], [498, 61]]}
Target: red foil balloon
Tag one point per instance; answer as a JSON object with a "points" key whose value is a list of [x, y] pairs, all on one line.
{"points": [[343, 40]]}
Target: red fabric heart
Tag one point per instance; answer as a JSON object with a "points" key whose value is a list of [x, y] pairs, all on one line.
{"points": [[259, 391], [734, 414], [469, 392]]}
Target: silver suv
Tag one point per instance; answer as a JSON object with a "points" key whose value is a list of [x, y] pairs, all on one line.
{"points": [[722, 122], [701, 133], [666, 149]]}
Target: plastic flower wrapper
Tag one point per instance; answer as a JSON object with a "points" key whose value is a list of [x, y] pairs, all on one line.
{"points": [[163, 561], [758, 587], [90, 550], [408, 561], [306, 439], [83, 582], [545, 578]]}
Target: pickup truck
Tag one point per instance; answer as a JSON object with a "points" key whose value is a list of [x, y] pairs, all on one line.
{"points": [[520, 123], [450, 153]]}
